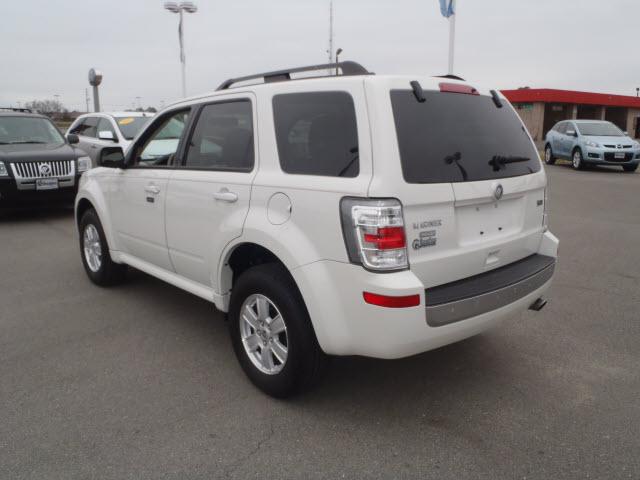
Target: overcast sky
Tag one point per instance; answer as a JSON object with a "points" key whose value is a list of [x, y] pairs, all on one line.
{"points": [[48, 46]]}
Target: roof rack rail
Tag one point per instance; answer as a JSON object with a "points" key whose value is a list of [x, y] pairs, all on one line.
{"points": [[452, 77], [13, 109], [348, 69]]}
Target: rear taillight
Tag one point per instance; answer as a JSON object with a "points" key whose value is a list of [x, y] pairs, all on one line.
{"points": [[374, 233]]}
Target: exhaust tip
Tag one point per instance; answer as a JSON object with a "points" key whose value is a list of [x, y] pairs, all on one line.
{"points": [[538, 305]]}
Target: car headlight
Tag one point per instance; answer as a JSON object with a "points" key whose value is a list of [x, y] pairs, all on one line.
{"points": [[84, 164], [636, 144], [590, 143], [3, 170]]}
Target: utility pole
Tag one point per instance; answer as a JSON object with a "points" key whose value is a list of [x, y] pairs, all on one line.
{"points": [[330, 51]]}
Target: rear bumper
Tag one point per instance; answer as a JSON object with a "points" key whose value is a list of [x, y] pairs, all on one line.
{"points": [[488, 291], [12, 197], [346, 325]]}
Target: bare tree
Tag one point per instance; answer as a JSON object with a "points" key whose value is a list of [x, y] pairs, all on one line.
{"points": [[47, 107]]}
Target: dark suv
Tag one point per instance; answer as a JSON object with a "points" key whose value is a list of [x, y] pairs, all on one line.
{"points": [[37, 163]]}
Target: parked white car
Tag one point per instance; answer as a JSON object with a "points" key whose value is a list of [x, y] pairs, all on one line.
{"points": [[346, 215], [106, 129]]}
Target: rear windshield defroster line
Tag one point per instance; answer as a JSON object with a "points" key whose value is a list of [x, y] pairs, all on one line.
{"points": [[456, 138]]}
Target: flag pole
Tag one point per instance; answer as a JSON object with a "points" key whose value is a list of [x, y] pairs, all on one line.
{"points": [[452, 37]]}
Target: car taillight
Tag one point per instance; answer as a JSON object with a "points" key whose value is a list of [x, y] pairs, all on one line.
{"points": [[374, 233]]}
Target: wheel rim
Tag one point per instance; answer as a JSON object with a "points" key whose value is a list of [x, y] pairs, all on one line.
{"points": [[92, 248], [547, 155], [264, 334], [576, 159]]}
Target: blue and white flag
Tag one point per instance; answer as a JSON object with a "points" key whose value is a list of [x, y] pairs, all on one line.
{"points": [[447, 9]]}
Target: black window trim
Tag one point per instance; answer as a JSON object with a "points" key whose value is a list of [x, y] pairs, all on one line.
{"points": [[355, 115], [149, 128], [181, 165]]}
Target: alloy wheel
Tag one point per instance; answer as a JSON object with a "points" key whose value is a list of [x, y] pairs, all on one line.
{"points": [[264, 334], [577, 159], [92, 247]]}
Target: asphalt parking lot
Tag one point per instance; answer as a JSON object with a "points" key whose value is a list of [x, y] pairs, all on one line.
{"points": [[140, 381]]}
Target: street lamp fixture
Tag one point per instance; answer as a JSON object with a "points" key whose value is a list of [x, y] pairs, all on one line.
{"points": [[338, 52], [179, 8]]}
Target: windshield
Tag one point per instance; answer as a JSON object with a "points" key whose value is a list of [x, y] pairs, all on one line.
{"points": [[28, 130], [600, 129], [130, 126], [460, 138]]}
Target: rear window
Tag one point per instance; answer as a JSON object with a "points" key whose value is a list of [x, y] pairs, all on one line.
{"points": [[317, 133], [456, 138]]}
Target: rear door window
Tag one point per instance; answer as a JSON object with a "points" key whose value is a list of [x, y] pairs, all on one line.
{"points": [[223, 138], [460, 138], [317, 133], [88, 127]]}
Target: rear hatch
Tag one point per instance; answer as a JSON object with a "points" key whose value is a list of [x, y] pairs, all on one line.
{"points": [[472, 185]]}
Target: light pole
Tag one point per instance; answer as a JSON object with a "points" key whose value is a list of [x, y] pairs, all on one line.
{"points": [[179, 8]]}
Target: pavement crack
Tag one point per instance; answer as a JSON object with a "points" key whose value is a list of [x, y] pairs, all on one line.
{"points": [[240, 461]]}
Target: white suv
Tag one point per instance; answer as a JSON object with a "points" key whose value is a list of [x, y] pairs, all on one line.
{"points": [[344, 215]]}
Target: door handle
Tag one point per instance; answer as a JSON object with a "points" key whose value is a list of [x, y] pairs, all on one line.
{"points": [[152, 189], [224, 195]]}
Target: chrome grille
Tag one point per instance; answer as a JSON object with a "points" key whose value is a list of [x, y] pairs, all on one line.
{"points": [[53, 169]]}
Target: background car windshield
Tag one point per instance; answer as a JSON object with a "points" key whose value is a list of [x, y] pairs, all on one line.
{"points": [[600, 130], [130, 126], [453, 138], [17, 130]]}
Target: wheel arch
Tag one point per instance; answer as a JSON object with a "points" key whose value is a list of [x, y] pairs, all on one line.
{"points": [[242, 255], [90, 196]]}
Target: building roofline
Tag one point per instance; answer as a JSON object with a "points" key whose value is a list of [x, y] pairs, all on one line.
{"points": [[549, 95]]}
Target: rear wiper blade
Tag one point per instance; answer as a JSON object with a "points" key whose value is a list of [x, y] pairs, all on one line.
{"points": [[500, 161], [455, 160]]}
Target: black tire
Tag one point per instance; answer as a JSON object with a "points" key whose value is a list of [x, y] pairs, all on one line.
{"points": [[108, 273], [630, 168], [305, 360], [549, 159], [575, 163]]}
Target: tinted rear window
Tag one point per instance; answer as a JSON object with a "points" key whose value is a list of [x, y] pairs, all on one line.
{"points": [[453, 138], [317, 133]]}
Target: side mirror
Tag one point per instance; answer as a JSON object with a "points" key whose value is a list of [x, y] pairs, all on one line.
{"points": [[107, 135], [572, 133], [626, 133], [73, 139], [111, 157]]}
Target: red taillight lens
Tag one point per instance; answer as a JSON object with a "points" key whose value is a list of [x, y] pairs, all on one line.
{"points": [[391, 302], [387, 238]]}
